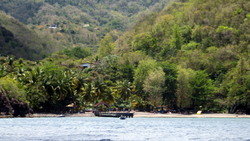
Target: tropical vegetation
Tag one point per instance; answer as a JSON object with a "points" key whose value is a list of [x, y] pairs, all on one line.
{"points": [[192, 55]]}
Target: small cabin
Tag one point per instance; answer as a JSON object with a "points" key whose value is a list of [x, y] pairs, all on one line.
{"points": [[53, 26], [85, 65], [70, 108], [86, 25]]}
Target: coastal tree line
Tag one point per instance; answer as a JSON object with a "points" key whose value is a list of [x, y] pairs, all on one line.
{"points": [[190, 56]]}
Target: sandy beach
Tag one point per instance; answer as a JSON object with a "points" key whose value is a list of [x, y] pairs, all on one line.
{"points": [[175, 115], [141, 115], [150, 115]]}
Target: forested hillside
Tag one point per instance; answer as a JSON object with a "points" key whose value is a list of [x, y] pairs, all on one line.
{"points": [[206, 43], [79, 23], [192, 55], [18, 40]]}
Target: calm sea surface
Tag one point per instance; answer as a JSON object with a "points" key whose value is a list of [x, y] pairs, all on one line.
{"points": [[114, 129]]}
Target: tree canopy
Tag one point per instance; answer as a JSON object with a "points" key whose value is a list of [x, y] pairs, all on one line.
{"points": [[191, 55]]}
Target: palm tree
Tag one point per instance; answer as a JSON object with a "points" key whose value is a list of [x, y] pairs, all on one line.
{"points": [[88, 92], [108, 97], [100, 88], [124, 89]]}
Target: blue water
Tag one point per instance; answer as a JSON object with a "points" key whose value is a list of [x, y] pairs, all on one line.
{"points": [[114, 129]]}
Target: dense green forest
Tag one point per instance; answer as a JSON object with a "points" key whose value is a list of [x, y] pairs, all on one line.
{"points": [[79, 23], [191, 55]]}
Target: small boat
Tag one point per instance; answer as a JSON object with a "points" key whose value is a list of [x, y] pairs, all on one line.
{"points": [[122, 117], [61, 115]]}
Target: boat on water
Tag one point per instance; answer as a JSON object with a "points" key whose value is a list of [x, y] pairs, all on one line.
{"points": [[122, 117], [62, 115]]}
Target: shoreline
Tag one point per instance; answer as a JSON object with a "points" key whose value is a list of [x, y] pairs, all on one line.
{"points": [[176, 115], [137, 115]]}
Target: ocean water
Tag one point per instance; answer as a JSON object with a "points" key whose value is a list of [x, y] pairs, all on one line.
{"points": [[134, 129]]}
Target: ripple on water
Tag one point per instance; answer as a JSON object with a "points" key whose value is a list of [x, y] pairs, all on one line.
{"points": [[135, 129]]}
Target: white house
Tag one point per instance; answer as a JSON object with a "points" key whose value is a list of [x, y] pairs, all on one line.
{"points": [[85, 65], [53, 26]]}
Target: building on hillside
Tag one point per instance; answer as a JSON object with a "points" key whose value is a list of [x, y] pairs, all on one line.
{"points": [[86, 25], [53, 26], [85, 65]]}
